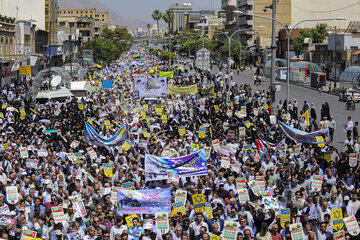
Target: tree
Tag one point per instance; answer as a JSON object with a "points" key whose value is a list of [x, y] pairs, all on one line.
{"points": [[157, 15], [168, 17], [149, 26], [317, 35]]}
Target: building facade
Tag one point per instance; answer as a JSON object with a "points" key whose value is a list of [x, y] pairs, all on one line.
{"points": [[230, 6], [7, 38], [262, 36], [99, 17]]}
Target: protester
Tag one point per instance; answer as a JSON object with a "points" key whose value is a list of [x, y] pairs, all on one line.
{"points": [[261, 179]]}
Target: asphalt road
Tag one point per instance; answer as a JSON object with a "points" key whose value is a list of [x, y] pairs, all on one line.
{"points": [[337, 108]]}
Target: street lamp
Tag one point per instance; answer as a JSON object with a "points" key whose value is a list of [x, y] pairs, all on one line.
{"points": [[233, 34], [288, 33]]}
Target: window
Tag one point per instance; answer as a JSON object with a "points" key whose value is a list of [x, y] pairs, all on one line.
{"points": [[103, 20], [103, 15]]}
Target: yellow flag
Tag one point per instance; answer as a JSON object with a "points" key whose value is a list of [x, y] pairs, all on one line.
{"points": [[307, 118]]}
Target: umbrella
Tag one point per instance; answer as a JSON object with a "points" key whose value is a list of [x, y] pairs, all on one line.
{"points": [[95, 66], [180, 68]]}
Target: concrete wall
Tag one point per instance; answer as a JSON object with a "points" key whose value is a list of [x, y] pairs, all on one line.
{"points": [[315, 9], [25, 10]]}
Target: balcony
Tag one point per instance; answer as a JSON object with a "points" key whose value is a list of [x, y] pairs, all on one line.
{"points": [[228, 4]]}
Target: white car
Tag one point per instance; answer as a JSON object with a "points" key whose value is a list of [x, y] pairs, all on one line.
{"points": [[349, 92]]}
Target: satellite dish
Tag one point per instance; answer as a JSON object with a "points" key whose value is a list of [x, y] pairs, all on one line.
{"points": [[55, 81]]}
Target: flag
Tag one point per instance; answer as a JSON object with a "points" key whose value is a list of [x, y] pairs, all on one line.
{"points": [[306, 117], [281, 145], [261, 148], [136, 72]]}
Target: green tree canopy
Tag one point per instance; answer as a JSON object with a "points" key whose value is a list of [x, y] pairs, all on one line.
{"points": [[317, 35]]}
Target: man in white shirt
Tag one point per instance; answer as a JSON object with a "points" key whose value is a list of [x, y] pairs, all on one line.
{"points": [[349, 126]]}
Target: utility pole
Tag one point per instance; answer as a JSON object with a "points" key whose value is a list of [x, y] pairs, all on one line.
{"points": [[71, 52], [273, 54]]}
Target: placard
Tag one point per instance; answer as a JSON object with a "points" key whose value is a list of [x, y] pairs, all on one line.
{"points": [[32, 163], [337, 219], [91, 152], [225, 162], [179, 207], [107, 170], [241, 183], [255, 188], [243, 195], [296, 231], [260, 181], [353, 158], [230, 230], [339, 235], [162, 222], [352, 225], [180, 196], [24, 152], [58, 214], [284, 216], [12, 194], [216, 145], [241, 131], [199, 202], [129, 219], [316, 183], [28, 234]]}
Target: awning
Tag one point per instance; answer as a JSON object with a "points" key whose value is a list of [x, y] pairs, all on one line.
{"points": [[357, 52], [61, 93]]}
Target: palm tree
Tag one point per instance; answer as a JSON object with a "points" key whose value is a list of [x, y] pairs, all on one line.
{"points": [[149, 26], [168, 17], [157, 15]]}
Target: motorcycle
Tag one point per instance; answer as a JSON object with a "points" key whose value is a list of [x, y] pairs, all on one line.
{"points": [[350, 105]]}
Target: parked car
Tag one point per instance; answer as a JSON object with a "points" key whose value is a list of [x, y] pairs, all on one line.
{"points": [[349, 92]]}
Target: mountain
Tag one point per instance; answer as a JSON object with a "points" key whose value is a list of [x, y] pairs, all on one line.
{"points": [[114, 18]]}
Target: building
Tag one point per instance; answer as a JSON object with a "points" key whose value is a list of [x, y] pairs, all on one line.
{"points": [[261, 37], [25, 38], [25, 10], [88, 22], [180, 10], [7, 38], [230, 6], [317, 9], [211, 23], [51, 20], [101, 17]]}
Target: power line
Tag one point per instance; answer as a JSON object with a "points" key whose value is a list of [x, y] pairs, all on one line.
{"points": [[326, 11]]}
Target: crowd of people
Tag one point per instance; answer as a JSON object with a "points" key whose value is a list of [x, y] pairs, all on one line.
{"points": [[46, 162]]}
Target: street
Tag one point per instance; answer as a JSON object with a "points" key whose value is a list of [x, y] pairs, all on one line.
{"points": [[337, 108]]}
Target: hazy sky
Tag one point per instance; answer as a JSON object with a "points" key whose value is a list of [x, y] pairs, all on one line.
{"points": [[142, 9]]}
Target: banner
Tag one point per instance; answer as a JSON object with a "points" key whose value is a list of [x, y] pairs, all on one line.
{"points": [[230, 230], [172, 89], [303, 137], [207, 91], [93, 138], [169, 74], [162, 222], [148, 201], [150, 87], [158, 168]]}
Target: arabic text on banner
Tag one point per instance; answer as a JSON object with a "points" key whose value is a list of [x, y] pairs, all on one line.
{"points": [[143, 201], [158, 168], [192, 89]]}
